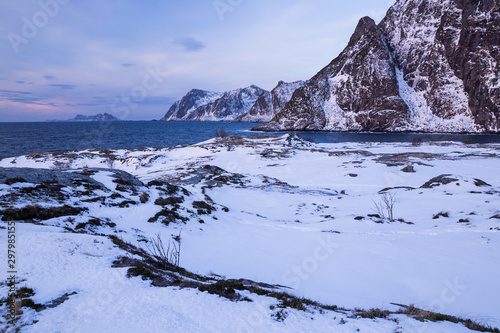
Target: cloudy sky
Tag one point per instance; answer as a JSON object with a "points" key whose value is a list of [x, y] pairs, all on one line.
{"points": [[135, 58]]}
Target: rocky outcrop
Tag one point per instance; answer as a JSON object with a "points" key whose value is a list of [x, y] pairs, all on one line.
{"points": [[209, 106], [356, 91], [270, 103], [428, 66]]}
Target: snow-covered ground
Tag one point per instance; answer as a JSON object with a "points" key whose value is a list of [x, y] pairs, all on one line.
{"points": [[283, 212]]}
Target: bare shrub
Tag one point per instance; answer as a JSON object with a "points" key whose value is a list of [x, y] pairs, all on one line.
{"points": [[59, 165], [385, 207], [220, 134], [169, 256], [109, 158]]}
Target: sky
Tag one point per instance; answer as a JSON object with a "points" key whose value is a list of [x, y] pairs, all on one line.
{"points": [[133, 59]]}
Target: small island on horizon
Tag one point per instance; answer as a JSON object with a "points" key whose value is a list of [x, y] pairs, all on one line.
{"points": [[96, 117]]}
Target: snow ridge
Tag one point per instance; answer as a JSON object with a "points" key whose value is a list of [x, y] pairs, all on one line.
{"points": [[202, 105]]}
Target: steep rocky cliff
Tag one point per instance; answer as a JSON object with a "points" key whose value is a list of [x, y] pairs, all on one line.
{"points": [[430, 65], [187, 107], [270, 103], [209, 106]]}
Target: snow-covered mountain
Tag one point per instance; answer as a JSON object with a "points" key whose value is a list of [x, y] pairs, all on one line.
{"points": [[209, 106], [270, 103], [430, 65], [186, 108]]}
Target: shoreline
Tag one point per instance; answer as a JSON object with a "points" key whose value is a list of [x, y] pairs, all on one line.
{"points": [[277, 210]]}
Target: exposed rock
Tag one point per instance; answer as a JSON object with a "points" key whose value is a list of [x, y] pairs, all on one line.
{"points": [[40, 176], [209, 106], [408, 168], [357, 91], [270, 103], [479, 182], [38, 213], [56, 302], [428, 66], [439, 180], [186, 107], [122, 177]]}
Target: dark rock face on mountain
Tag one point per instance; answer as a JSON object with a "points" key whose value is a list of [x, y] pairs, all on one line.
{"points": [[356, 91], [428, 66], [208, 106], [270, 103], [186, 108]]}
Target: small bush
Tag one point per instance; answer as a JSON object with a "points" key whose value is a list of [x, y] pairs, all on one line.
{"points": [[59, 165], [220, 134], [125, 246], [169, 256], [373, 313], [109, 158], [422, 315], [224, 288], [143, 271], [385, 208], [280, 316]]}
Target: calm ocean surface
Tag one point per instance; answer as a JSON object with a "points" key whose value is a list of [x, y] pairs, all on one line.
{"points": [[23, 138]]}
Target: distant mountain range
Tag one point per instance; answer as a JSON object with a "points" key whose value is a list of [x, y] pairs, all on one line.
{"points": [[210, 106], [430, 66], [97, 117], [250, 104]]}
